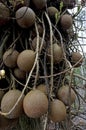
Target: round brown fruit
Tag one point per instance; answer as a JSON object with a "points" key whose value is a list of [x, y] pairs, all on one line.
{"points": [[35, 104], [34, 43], [4, 14], [66, 21], [52, 11], [57, 111], [57, 53], [39, 4], [25, 17], [42, 88], [8, 101], [26, 60], [40, 30], [75, 57], [19, 73], [63, 95], [10, 58]]}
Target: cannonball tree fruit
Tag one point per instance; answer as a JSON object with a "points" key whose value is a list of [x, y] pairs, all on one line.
{"points": [[57, 111], [26, 60], [10, 58], [57, 53], [9, 100], [52, 11], [66, 21], [35, 104], [75, 59], [63, 95], [25, 17], [39, 4]]}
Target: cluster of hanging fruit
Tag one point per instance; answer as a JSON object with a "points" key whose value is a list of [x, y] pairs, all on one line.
{"points": [[34, 43]]}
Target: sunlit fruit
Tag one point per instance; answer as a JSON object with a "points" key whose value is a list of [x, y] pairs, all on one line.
{"points": [[63, 95], [66, 21], [57, 111], [25, 17], [75, 58], [26, 60], [9, 100], [35, 104], [10, 58]]}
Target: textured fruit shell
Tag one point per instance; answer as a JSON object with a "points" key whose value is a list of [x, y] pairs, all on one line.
{"points": [[10, 58], [26, 60], [75, 57], [57, 53], [35, 104], [52, 11], [57, 111], [9, 100], [42, 88], [63, 95], [25, 17], [66, 21], [39, 4]]}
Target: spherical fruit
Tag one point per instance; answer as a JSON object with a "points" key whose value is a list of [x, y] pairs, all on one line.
{"points": [[19, 73], [63, 95], [57, 53], [25, 17], [66, 21], [4, 14], [8, 101], [39, 4], [75, 57], [26, 60], [42, 88], [34, 43], [52, 11], [40, 30], [57, 111], [10, 58], [35, 104]]}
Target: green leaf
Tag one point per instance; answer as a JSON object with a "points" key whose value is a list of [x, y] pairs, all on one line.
{"points": [[61, 6]]}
